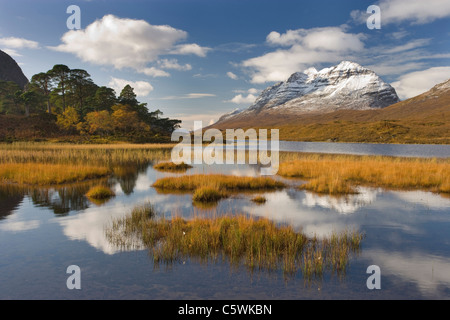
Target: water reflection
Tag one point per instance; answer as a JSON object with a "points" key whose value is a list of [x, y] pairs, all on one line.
{"points": [[62, 200], [428, 272], [10, 199], [343, 204], [407, 232]]}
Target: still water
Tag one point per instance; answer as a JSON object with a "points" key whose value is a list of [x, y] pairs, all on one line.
{"points": [[43, 231]]}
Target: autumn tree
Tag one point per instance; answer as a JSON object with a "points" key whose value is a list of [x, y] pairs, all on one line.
{"points": [[68, 120], [99, 122]]}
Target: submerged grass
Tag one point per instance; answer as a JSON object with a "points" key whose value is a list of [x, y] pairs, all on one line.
{"points": [[339, 174], [258, 243]]}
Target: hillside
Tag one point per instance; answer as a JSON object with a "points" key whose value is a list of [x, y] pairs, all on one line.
{"points": [[422, 119]]}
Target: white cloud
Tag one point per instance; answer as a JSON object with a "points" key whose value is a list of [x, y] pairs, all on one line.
{"points": [[174, 65], [189, 96], [141, 88], [153, 72], [126, 43], [18, 43], [414, 11], [231, 75], [191, 49], [415, 83], [307, 46], [385, 68], [12, 52], [409, 46], [240, 99]]}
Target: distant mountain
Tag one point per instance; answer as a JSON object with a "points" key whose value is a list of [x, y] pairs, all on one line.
{"points": [[345, 86], [421, 119], [10, 70]]}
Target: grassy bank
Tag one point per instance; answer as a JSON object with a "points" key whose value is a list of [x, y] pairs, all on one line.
{"points": [[96, 154], [47, 163], [257, 243], [336, 174]]}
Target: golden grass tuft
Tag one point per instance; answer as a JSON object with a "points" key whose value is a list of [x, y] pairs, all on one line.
{"points": [[208, 194], [100, 193], [172, 167], [259, 199]]}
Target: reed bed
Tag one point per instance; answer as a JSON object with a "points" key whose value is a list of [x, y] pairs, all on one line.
{"points": [[104, 154], [257, 243], [335, 174], [49, 174]]}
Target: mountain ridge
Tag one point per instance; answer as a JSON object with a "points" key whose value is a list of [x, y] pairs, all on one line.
{"points": [[421, 119], [347, 85]]}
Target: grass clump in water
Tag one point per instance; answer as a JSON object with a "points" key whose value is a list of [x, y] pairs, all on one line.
{"points": [[100, 193], [259, 199], [257, 243], [172, 167], [208, 194]]}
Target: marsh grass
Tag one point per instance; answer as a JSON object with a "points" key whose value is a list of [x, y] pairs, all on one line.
{"points": [[339, 174], [100, 193], [208, 194], [257, 243], [219, 181], [210, 188], [49, 174], [259, 199], [101, 154], [53, 164], [172, 167]]}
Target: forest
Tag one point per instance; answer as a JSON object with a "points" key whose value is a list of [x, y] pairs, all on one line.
{"points": [[64, 102]]}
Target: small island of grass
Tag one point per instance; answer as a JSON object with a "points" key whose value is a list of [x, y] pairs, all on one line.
{"points": [[172, 167], [213, 187], [257, 243], [100, 193]]}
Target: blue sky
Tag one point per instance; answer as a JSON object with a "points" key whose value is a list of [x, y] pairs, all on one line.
{"points": [[198, 59]]}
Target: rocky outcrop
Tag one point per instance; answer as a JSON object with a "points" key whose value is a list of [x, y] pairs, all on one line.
{"points": [[10, 70]]}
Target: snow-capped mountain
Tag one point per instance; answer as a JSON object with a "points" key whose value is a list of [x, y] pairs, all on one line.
{"points": [[345, 86]]}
